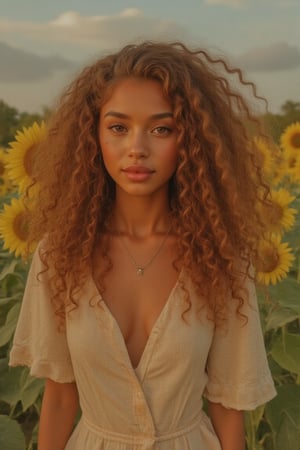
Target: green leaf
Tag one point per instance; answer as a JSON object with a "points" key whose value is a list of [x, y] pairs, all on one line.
{"points": [[9, 385], [5, 305], [283, 416], [8, 269], [34, 436], [288, 436], [30, 389], [3, 365], [278, 317], [257, 414], [18, 385], [286, 351], [286, 294], [11, 436], [9, 300], [252, 420], [7, 330]]}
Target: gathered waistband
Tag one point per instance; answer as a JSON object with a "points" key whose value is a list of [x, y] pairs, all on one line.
{"points": [[140, 438]]}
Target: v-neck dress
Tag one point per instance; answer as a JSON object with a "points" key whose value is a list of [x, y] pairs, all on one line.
{"points": [[158, 405]]}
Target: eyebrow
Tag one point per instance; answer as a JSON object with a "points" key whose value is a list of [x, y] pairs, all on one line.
{"points": [[120, 115]]}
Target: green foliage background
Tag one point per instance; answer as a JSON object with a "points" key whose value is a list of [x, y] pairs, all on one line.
{"points": [[275, 426]]}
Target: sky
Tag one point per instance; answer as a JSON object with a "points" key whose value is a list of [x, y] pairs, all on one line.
{"points": [[45, 43]]}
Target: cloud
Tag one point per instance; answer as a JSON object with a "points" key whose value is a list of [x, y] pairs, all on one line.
{"points": [[235, 3], [283, 3], [19, 65], [249, 3], [92, 33], [278, 56]]}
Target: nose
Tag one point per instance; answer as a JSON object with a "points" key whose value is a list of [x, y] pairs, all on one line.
{"points": [[138, 147]]}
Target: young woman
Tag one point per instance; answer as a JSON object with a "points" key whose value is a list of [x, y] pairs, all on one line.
{"points": [[140, 298]]}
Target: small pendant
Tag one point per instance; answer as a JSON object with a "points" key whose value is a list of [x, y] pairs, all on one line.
{"points": [[140, 271]]}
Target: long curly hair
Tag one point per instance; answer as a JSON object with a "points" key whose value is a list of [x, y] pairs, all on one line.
{"points": [[212, 194]]}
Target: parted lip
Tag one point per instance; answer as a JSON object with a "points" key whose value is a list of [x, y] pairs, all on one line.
{"points": [[137, 169]]}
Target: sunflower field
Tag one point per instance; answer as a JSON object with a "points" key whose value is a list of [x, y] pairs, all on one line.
{"points": [[275, 426]]}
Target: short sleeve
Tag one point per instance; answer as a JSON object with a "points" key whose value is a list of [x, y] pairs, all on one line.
{"points": [[37, 342], [238, 373]]}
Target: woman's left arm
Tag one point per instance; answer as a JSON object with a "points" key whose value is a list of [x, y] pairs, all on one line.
{"points": [[228, 425]]}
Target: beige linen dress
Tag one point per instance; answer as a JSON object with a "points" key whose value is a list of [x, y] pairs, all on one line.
{"points": [[158, 405]]}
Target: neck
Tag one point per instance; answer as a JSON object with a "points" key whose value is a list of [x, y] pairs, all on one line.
{"points": [[139, 216]]}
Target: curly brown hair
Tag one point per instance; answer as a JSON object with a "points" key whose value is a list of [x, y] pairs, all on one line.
{"points": [[217, 182]]}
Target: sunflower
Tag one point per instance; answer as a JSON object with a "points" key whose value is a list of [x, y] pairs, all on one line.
{"points": [[274, 260], [296, 173], [290, 138], [278, 216], [21, 154], [14, 228], [279, 173], [279, 166], [290, 162], [4, 186], [3, 173], [266, 155], [3, 155]]}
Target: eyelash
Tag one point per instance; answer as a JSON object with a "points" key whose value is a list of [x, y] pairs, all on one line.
{"points": [[166, 130], [118, 129]]}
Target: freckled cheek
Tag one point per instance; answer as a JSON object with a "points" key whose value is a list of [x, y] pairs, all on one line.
{"points": [[108, 148]]}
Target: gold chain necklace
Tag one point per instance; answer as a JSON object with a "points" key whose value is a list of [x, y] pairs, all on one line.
{"points": [[139, 268]]}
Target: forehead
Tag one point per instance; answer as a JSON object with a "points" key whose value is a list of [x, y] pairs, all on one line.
{"points": [[137, 93]]}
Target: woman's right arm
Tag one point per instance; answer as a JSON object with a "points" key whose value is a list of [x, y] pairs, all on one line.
{"points": [[59, 408]]}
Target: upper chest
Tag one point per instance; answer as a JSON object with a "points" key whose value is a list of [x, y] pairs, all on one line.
{"points": [[136, 301], [96, 338]]}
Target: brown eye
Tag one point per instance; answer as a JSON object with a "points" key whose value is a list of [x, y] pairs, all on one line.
{"points": [[117, 128], [162, 131]]}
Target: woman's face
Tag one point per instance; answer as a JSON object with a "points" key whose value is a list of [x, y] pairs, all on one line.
{"points": [[138, 137]]}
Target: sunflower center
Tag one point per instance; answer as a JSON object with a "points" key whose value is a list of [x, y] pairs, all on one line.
{"points": [[295, 140], [20, 226], [28, 158], [268, 261], [2, 168]]}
